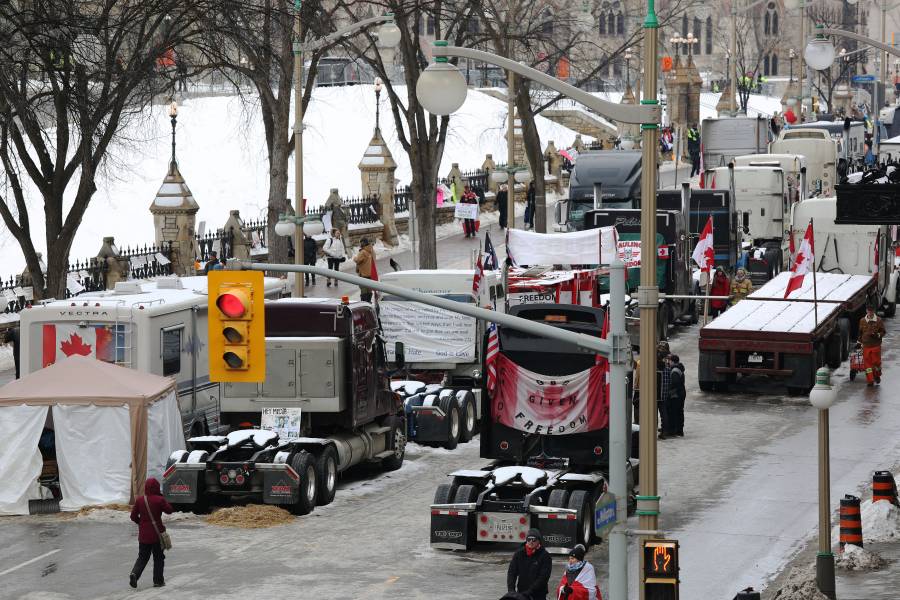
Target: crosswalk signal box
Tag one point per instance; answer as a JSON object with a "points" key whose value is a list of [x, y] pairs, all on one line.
{"points": [[237, 329], [660, 574]]}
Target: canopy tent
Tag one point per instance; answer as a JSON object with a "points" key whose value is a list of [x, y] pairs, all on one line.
{"points": [[106, 419]]}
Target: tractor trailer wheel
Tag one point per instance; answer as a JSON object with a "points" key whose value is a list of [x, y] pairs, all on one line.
{"points": [[397, 443], [580, 500], [326, 475], [451, 409], [304, 465]]}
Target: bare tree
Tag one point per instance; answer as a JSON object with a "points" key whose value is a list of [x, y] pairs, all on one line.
{"points": [[71, 75]]}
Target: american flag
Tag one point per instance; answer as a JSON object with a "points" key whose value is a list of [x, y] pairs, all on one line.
{"points": [[491, 264], [490, 358], [477, 279]]}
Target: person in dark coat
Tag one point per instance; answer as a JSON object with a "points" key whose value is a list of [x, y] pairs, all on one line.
{"points": [[502, 199], [148, 540], [663, 375], [677, 396], [529, 569], [693, 141], [310, 252], [530, 206]]}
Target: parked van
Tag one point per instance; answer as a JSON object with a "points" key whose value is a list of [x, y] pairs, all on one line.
{"points": [[157, 326]]}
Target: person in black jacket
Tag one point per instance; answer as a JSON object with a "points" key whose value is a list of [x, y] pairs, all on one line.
{"points": [[677, 395], [310, 254], [502, 199], [529, 569]]}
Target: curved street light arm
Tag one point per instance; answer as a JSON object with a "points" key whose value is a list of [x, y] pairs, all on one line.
{"points": [[642, 114], [320, 43], [860, 38]]}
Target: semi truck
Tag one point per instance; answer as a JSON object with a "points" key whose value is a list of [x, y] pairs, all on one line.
{"points": [[549, 460], [702, 204], [765, 334], [727, 137], [820, 151], [326, 369], [157, 326], [602, 179]]}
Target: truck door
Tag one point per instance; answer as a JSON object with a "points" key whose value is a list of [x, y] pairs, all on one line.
{"points": [[364, 375]]}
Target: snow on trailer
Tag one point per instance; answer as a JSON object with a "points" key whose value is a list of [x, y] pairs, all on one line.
{"points": [[787, 339]]}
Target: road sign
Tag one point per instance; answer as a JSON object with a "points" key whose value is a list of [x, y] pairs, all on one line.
{"points": [[604, 514], [862, 78]]}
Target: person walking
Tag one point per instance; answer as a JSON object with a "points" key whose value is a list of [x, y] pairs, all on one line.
{"points": [[529, 206], [310, 255], [693, 136], [365, 267], [579, 582], [335, 206], [662, 389], [335, 253], [529, 569], [502, 199], [211, 262], [677, 395], [469, 197], [741, 286], [147, 513], [720, 287], [871, 333]]}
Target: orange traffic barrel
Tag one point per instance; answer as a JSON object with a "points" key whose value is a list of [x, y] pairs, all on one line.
{"points": [[884, 487], [851, 522]]}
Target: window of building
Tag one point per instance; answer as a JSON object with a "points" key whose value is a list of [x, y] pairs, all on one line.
{"points": [[611, 23], [709, 35], [698, 29], [620, 24], [547, 24], [767, 24], [774, 64], [602, 21], [170, 349], [774, 23], [766, 65], [684, 25], [430, 25]]}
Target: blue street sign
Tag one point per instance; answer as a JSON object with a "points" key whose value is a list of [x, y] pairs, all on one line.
{"points": [[604, 514], [862, 78]]}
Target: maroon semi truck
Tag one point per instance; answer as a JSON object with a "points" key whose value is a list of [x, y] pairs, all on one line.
{"points": [[327, 359]]}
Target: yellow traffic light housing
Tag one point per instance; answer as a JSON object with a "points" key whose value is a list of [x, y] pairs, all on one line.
{"points": [[660, 573], [237, 329]]}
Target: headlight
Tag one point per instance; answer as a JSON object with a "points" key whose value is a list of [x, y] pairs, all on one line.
{"points": [[476, 373]]}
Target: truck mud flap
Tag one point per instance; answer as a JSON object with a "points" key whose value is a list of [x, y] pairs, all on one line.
{"points": [[280, 486], [560, 532], [431, 425], [182, 486], [450, 529]]}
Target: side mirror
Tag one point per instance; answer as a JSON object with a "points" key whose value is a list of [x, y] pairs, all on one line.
{"points": [[562, 212], [399, 355], [746, 222]]}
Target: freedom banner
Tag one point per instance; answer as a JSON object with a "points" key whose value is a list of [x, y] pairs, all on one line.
{"points": [[550, 405]]}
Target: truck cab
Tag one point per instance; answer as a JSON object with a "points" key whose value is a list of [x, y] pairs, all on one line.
{"points": [[821, 153], [727, 137], [603, 179]]}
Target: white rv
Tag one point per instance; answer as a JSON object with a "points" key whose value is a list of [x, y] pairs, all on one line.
{"points": [[157, 327]]}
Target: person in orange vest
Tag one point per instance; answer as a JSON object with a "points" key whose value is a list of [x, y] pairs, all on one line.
{"points": [[871, 332]]}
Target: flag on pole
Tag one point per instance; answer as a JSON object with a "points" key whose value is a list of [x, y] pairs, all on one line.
{"points": [[491, 264], [477, 278], [490, 358], [802, 261], [704, 254], [877, 243], [792, 250], [702, 172]]}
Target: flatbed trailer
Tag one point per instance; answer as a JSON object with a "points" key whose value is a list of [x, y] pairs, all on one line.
{"points": [[766, 334]]}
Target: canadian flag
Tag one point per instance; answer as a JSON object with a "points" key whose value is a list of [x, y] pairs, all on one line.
{"points": [[68, 339], [803, 261], [704, 255]]}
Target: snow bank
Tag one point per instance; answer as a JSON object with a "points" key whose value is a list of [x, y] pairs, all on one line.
{"points": [[881, 521], [7, 363], [106, 515], [800, 585], [855, 558]]}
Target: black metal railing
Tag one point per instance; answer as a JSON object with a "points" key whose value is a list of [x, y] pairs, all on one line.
{"points": [[359, 211], [148, 260]]}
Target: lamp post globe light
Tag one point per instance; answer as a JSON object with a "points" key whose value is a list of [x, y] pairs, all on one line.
{"points": [[441, 88], [388, 35], [819, 53]]}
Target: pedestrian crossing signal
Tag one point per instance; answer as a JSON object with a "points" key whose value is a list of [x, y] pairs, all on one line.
{"points": [[236, 318], [660, 573]]}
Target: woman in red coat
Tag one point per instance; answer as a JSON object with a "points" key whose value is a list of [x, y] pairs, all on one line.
{"points": [[148, 540], [579, 581], [720, 287]]}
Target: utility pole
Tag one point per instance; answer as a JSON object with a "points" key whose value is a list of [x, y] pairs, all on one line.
{"points": [[299, 202]]}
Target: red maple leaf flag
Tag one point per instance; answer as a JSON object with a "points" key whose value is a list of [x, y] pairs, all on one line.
{"points": [[476, 279], [75, 345], [704, 255], [803, 261]]}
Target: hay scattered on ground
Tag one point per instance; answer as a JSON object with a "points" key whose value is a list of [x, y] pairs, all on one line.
{"points": [[251, 516], [111, 506]]}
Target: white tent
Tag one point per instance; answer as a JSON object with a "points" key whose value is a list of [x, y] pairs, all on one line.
{"points": [[105, 419]]}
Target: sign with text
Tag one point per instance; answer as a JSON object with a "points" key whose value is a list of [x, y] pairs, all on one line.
{"points": [[429, 335], [283, 421], [466, 211], [604, 514]]}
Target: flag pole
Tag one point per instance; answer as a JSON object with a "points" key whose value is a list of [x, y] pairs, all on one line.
{"points": [[706, 302], [815, 297]]}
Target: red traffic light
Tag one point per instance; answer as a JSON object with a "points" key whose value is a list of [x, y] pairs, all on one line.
{"points": [[233, 304]]}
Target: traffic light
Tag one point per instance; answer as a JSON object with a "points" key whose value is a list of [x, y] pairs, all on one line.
{"points": [[237, 329], [660, 575]]}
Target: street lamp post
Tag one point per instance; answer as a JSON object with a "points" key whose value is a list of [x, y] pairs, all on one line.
{"points": [[388, 36], [441, 89], [822, 396], [173, 116], [378, 85]]}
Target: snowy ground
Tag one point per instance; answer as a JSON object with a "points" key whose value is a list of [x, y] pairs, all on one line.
{"points": [[221, 153]]}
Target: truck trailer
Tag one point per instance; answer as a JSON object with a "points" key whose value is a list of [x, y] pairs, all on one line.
{"points": [[326, 369], [546, 434]]}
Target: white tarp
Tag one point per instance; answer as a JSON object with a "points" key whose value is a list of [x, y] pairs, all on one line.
{"points": [[20, 460], [165, 434], [429, 335], [93, 451], [590, 247]]}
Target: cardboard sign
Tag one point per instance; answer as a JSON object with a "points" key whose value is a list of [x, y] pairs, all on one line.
{"points": [[283, 421], [466, 211], [428, 334]]}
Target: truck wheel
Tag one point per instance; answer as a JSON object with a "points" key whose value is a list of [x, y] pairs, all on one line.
{"points": [[179, 456], [444, 494], [465, 494], [469, 421], [833, 350], [844, 327], [706, 386], [450, 408], [305, 467], [559, 498], [397, 443], [326, 475], [579, 500]]}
